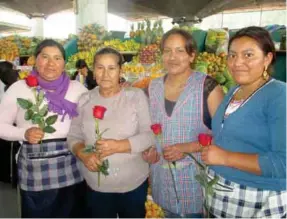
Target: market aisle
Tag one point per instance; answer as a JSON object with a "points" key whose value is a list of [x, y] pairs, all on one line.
{"points": [[8, 201]]}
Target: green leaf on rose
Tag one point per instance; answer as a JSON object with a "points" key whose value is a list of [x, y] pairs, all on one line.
{"points": [[104, 167], [42, 124], [29, 114], [201, 180], [101, 134], [213, 182], [44, 110], [104, 171], [36, 119], [106, 163], [40, 97], [33, 108], [51, 120], [49, 129], [209, 190], [89, 149], [25, 104]]}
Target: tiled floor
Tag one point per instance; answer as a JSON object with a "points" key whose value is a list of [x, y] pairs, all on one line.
{"points": [[8, 201]]}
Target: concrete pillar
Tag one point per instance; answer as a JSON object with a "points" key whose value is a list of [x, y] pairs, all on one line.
{"points": [[38, 26], [91, 11]]}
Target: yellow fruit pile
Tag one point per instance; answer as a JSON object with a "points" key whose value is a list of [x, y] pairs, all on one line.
{"points": [[133, 69], [212, 64], [153, 210], [8, 49], [137, 70], [128, 45]]}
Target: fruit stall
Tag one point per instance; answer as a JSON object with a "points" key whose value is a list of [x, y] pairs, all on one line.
{"points": [[143, 58], [142, 55], [143, 46]]}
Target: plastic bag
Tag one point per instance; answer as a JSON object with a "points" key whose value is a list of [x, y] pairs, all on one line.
{"points": [[217, 41]]}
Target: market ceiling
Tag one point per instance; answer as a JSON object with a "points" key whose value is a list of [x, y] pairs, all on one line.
{"points": [[139, 9]]}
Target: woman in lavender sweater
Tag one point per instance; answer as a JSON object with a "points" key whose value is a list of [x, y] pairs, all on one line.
{"points": [[123, 192]]}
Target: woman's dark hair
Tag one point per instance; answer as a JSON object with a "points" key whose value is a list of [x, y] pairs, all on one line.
{"points": [[108, 50], [81, 63], [49, 43], [7, 74], [261, 36], [190, 45]]}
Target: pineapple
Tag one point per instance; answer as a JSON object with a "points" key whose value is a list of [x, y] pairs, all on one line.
{"points": [[148, 32], [160, 28], [132, 32], [143, 34], [138, 32], [159, 33]]}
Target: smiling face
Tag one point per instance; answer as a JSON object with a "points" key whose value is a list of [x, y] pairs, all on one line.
{"points": [[107, 71], [50, 63], [247, 61], [176, 60]]}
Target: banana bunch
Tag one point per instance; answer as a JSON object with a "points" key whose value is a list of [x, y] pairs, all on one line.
{"points": [[88, 56], [128, 45], [153, 210], [135, 59], [154, 71]]}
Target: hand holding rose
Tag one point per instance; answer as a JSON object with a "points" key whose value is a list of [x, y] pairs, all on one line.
{"points": [[214, 155]]}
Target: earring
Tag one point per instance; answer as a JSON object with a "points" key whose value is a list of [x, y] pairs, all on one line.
{"points": [[265, 74]]}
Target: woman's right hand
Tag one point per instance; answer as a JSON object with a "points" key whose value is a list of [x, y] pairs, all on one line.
{"points": [[90, 160], [34, 135], [150, 155]]}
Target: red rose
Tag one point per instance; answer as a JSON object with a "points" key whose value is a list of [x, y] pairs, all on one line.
{"points": [[32, 81], [99, 111], [204, 139], [156, 128]]}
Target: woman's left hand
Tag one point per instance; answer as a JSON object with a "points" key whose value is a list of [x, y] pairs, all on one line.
{"points": [[107, 147], [172, 153], [214, 155]]}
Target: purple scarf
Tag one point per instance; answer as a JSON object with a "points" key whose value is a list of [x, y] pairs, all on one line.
{"points": [[55, 92]]}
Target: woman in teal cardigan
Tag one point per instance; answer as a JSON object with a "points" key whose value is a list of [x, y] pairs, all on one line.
{"points": [[249, 128]]}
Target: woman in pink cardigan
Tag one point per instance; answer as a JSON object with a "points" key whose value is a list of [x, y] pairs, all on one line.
{"points": [[49, 179]]}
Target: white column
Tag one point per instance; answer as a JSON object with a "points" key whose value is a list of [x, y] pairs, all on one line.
{"points": [[91, 11], [38, 26]]}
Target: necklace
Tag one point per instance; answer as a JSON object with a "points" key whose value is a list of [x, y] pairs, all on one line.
{"points": [[243, 100], [239, 95]]}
